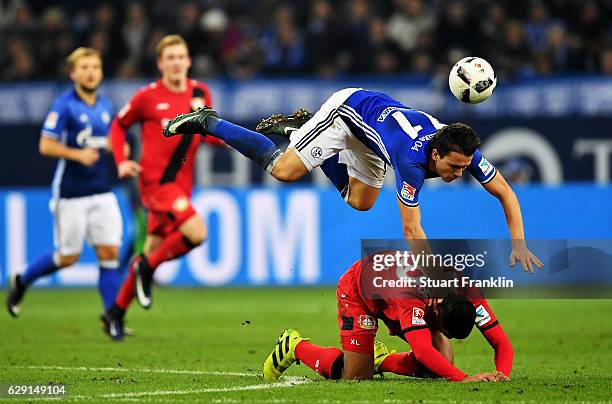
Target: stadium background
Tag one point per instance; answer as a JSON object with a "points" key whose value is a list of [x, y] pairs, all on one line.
{"points": [[546, 127]]}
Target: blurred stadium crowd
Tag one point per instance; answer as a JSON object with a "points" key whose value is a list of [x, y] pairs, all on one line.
{"points": [[325, 38]]}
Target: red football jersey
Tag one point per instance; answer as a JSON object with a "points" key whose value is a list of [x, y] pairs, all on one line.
{"points": [[163, 159], [408, 316]]}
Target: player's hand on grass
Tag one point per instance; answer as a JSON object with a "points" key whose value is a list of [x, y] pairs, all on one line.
{"points": [[481, 377], [500, 377], [527, 259], [88, 156], [129, 169]]}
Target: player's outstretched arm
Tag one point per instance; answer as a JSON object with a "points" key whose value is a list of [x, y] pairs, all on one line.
{"points": [[499, 188], [50, 147], [497, 338]]}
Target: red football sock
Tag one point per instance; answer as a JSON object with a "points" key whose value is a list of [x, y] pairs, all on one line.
{"points": [[126, 293], [404, 364], [320, 359], [173, 246]]}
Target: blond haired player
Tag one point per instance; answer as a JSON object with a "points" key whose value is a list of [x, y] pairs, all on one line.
{"points": [[83, 206]]}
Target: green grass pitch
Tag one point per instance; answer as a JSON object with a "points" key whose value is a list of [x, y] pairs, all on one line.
{"points": [[208, 345]]}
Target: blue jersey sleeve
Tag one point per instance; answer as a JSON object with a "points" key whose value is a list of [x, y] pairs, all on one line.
{"points": [[481, 168], [55, 123], [409, 178]]}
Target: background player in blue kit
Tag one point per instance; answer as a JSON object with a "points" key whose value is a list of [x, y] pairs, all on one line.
{"points": [[352, 137], [83, 206]]}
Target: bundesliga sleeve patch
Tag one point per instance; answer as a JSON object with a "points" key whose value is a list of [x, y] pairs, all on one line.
{"points": [[485, 166], [482, 316], [418, 316], [51, 121], [408, 191]]}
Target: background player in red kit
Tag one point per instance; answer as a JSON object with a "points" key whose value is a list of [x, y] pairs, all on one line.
{"points": [[408, 315], [165, 172]]}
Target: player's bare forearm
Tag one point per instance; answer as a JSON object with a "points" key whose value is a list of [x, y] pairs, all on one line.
{"points": [[499, 188], [411, 225], [417, 240], [50, 147]]}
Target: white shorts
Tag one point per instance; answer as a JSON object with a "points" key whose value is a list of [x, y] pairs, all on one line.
{"points": [[96, 218], [326, 134]]}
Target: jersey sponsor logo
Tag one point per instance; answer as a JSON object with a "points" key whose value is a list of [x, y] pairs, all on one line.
{"points": [[482, 316], [85, 138], [367, 322], [125, 110], [385, 113], [408, 191], [485, 166], [162, 106], [418, 316], [51, 121], [180, 204], [316, 152]]}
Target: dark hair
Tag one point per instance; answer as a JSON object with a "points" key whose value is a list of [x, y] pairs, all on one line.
{"points": [[457, 315], [456, 137]]}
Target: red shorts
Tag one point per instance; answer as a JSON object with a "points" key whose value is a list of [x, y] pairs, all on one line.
{"points": [[169, 207], [357, 323]]}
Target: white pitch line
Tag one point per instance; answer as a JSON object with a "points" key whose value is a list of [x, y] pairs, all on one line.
{"points": [[141, 370], [288, 381]]}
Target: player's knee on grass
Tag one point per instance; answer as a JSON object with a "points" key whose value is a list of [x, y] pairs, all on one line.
{"points": [[195, 230], [289, 167], [357, 366], [67, 260]]}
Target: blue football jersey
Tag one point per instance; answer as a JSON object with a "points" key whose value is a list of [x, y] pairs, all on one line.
{"points": [[400, 136], [76, 124]]}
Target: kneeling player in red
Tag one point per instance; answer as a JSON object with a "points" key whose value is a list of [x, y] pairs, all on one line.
{"points": [[426, 327]]}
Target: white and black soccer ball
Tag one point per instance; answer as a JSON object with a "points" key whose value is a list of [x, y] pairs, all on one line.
{"points": [[472, 80]]}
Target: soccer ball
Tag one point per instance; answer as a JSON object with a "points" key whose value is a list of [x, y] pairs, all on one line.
{"points": [[472, 80]]}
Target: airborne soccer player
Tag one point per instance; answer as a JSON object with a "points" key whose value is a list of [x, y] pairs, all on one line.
{"points": [[409, 315], [352, 137], [165, 172], [83, 205]]}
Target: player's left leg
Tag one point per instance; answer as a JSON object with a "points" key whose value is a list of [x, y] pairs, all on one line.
{"points": [[366, 174], [110, 277], [104, 233], [126, 292], [291, 347], [191, 233], [253, 145]]}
